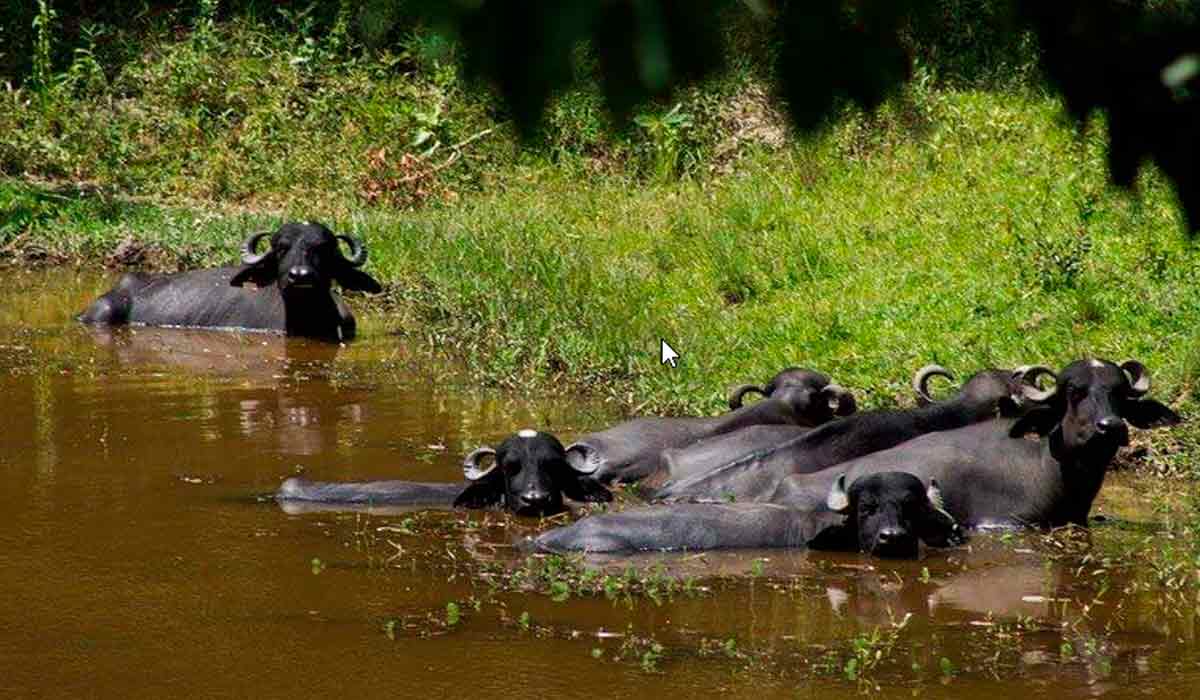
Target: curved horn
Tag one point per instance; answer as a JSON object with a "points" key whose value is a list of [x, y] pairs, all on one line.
{"points": [[471, 468], [1139, 379], [249, 256], [735, 396], [841, 401], [838, 500], [921, 380], [1028, 375], [358, 251]]}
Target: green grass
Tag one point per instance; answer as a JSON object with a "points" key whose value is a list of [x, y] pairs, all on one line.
{"points": [[967, 228]]}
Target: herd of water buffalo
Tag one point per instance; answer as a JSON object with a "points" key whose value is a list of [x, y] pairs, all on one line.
{"points": [[802, 467]]}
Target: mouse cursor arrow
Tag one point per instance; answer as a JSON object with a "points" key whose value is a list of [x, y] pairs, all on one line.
{"points": [[669, 356]]}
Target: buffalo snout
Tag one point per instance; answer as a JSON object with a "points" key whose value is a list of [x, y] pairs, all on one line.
{"points": [[894, 542], [538, 502], [1113, 427], [301, 276]]}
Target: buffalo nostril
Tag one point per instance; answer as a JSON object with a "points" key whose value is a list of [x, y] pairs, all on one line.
{"points": [[1109, 424], [300, 273]]}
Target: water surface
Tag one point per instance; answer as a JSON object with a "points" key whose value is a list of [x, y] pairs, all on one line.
{"points": [[135, 561]]}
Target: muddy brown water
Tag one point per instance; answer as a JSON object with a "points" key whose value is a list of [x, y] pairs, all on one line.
{"points": [[135, 561]]}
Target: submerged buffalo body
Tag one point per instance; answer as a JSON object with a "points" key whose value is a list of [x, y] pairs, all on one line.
{"points": [[798, 399], [293, 291], [750, 464], [529, 475], [991, 476], [881, 514]]}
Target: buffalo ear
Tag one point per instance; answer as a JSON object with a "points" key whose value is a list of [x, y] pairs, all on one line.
{"points": [[484, 493], [1148, 413], [1008, 407], [938, 528], [841, 401], [583, 488], [262, 273], [941, 530], [355, 279], [583, 458], [1058, 448], [1040, 420]]}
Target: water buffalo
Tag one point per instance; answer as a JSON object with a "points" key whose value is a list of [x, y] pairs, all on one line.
{"points": [[630, 451], [748, 464], [293, 293], [991, 476], [883, 514], [529, 475]]}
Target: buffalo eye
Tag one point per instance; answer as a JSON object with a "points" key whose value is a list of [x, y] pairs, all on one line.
{"points": [[1078, 394]]}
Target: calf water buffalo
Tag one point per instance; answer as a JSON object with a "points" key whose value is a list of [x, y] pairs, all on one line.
{"points": [[749, 464], [293, 292], [630, 451], [991, 476], [529, 475], [885, 515]]}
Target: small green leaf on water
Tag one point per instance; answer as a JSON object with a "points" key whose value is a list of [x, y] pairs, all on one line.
{"points": [[453, 614], [317, 566], [389, 628], [947, 667], [597, 652], [524, 620], [756, 567], [559, 591], [851, 669], [924, 574]]}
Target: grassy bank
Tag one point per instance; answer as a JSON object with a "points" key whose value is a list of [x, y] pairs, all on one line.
{"points": [[963, 227]]}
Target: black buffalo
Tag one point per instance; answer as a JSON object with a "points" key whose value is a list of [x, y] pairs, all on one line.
{"points": [[631, 450], [991, 476], [529, 475], [293, 292], [748, 464], [886, 515]]}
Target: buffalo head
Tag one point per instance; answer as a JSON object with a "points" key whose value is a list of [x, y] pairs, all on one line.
{"points": [[990, 392], [304, 258], [1085, 413], [888, 514], [811, 394], [528, 475]]}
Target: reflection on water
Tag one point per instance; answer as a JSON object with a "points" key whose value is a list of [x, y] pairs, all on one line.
{"points": [[134, 562]]}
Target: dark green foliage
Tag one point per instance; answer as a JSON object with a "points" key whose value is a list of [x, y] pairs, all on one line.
{"points": [[827, 55], [1137, 61], [1105, 55], [1115, 56]]}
